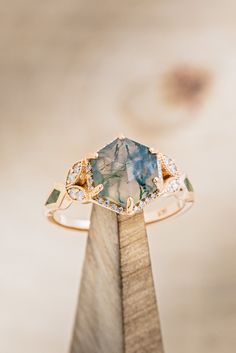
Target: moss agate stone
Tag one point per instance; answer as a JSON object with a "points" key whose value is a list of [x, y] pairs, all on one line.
{"points": [[125, 168]]}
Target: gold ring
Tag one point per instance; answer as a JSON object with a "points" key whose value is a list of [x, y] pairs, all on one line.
{"points": [[124, 177]]}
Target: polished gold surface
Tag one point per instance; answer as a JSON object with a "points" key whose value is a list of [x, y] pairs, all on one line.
{"points": [[73, 75]]}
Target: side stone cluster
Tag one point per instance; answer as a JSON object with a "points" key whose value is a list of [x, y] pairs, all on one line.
{"points": [[125, 169]]}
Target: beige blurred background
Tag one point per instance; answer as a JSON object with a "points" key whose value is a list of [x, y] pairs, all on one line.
{"points": [[73, 75]]}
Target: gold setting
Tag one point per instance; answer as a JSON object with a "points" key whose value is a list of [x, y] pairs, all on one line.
{"points": [[130, 206], [79, 187]]}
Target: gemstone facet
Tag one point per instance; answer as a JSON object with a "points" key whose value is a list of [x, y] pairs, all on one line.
{"points": [[125, 168]]}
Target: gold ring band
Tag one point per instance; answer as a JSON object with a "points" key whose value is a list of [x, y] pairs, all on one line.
{"points": [[177, 207], [123, 177]]}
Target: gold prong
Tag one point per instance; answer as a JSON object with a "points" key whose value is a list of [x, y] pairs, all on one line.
{"points": [[152, 150], [159, 183], [92, 156], [130, 206], [86, 200], [96, 190], [121, 136]]}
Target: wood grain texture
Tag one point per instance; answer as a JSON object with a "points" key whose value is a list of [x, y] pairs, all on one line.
{"points": [[98, 323], [142, 333], [117, 311]]}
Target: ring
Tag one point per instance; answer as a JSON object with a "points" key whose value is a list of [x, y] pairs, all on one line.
{"points": [[124, 177]]}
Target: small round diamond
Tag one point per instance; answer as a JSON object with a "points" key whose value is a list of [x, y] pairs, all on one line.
{"points": [[76, 194], [100, 201], [77, 168], [90, 180], [114, 207], [170, 165], [107, 203], [80, 195], [71, 177], [88, 168], [173, 168], [72, 193], [173, 185], [141, 204]]}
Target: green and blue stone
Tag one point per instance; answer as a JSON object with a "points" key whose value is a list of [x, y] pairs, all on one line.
{"points": [[125, 168]]}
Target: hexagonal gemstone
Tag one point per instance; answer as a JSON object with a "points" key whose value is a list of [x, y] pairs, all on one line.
{"points": [[125, 168]]}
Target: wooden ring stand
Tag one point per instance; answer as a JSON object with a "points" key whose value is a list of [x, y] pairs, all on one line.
{"points": [[117, 309]]}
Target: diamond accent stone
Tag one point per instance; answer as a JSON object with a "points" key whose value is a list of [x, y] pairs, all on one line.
{"points": [[71, 177], [107, 203], [153, 196], [80, 195], [114, 207], [170, 165], [88, 167], [77, 168], [125, 168], [89, 176], [141, 205], [76, 194], [173, 185], [90, 180], [100, 201], [72, 193]]}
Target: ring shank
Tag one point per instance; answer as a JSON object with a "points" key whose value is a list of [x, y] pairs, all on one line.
{"points": [[178, 205]]}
